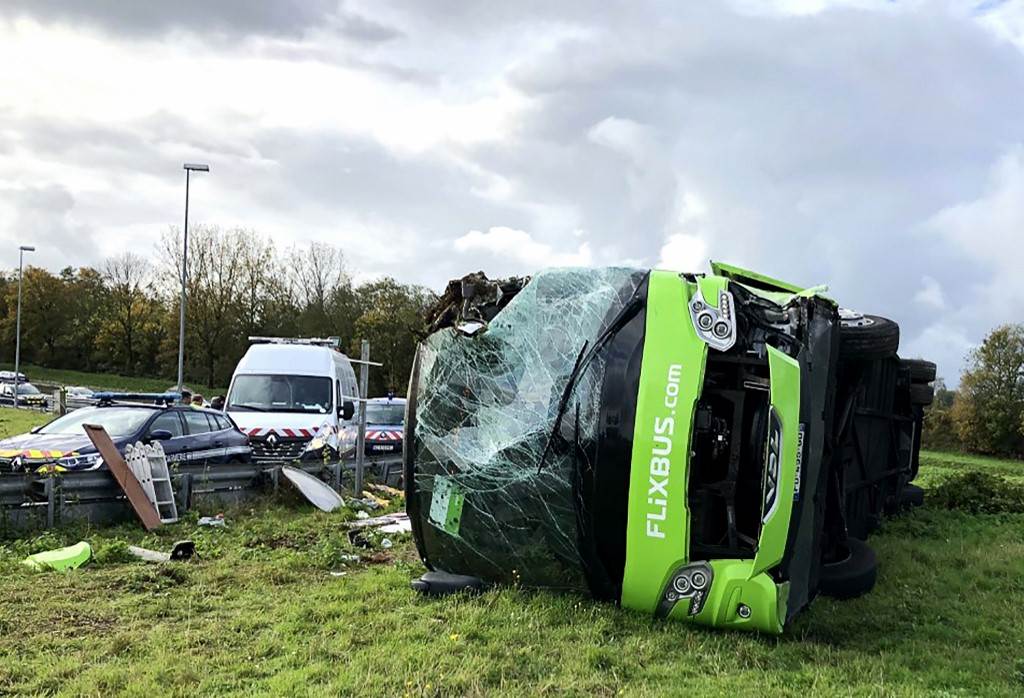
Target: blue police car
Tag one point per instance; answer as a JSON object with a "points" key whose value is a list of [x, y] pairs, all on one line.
{"points": [[187, 434]]}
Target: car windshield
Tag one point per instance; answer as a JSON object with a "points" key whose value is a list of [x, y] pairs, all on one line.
{"points": [[27, 389], [117, 421], [393, 413], [277, 393]]}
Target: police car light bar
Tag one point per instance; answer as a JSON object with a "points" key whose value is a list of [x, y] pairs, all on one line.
{"points": [[156, 398], [333, 342]]}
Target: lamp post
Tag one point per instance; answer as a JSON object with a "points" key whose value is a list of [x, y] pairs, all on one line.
{"points": [[17, 332], [190, 167]]}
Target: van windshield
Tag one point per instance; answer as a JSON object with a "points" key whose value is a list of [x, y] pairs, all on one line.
{"points": [[277, 393], [389, 413]]}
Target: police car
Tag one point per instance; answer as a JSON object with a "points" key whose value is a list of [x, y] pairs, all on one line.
{"points": [[187, 434], [385, 425], [28, 395]]}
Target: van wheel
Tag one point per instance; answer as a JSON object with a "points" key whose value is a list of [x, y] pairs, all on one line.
{"points": [[921, 394], [921, 371], [853, 576], [867, 336], [911, 496]]}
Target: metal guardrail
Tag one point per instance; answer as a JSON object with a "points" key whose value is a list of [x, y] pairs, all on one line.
{"points": [[31, 501]]}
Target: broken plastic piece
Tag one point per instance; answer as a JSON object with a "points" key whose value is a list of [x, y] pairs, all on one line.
{"points": [[182, 550], [439, 583], [315, 490], [216, 521], [61, 559]]}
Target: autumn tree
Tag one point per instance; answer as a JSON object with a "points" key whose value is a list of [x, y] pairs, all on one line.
{"points": [[391, 321], [989, 409], [129, 308]]}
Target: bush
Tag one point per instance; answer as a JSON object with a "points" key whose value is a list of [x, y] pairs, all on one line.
{"points": [[978, 493]]}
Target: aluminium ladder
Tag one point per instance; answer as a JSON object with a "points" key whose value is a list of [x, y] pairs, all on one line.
{"points": [[149, 465]]}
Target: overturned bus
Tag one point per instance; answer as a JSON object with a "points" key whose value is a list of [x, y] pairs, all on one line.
{"points": [[712, 448]]}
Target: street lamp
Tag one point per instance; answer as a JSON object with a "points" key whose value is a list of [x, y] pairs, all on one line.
{"points": [[17, 332], [190, 167]]}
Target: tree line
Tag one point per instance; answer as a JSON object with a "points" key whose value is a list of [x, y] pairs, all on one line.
{"points": [[122, 316], [986, 413]]}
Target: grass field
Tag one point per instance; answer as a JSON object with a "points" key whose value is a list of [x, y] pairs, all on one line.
{"points": [[260, 612], [102, 381], [14, 421]]}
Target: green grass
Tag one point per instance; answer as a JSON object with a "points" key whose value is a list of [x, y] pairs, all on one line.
{"points": [[260, 613], [937, 464], [14, 421], [102, 381]]}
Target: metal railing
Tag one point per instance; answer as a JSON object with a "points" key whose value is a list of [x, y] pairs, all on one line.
{"points": [[33, 501]]}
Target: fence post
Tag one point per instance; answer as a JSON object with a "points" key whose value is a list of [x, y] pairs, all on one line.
{"points": [[50, 504], [185, 492], [364, 384]]}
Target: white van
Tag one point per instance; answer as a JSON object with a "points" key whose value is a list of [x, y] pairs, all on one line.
{"points": [[293, 397]]}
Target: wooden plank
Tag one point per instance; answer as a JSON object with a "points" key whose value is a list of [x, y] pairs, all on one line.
{"points": [[144, 509]]}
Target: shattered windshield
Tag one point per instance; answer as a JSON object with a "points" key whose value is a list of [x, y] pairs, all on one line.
{"points": [[487, 403]]}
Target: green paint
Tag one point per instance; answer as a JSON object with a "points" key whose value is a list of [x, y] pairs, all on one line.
{"points": [[61, 559], [784, 374], [446, 504], [740, 274], [735, 591], [711, 287], [671, 377]]}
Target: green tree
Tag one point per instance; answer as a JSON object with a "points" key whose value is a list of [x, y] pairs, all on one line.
{"points": [[392, 318], [129, 308], [939, 431], [989, 409]]}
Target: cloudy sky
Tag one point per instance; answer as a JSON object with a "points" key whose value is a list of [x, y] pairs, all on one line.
{"points": [[876, 146]]}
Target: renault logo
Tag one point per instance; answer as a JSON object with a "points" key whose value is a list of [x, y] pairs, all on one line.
{"points": [[272, 440]]}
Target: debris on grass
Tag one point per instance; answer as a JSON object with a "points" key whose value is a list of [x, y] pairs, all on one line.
{"points": [[398, 522], [61, 559], [384, 489], [318, 492], [215, 521], [182, 550]]}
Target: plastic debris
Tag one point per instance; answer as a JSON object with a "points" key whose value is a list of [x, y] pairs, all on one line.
{"points": [[386, 543], [216, 521], [384, 489], [362, 515], [182, 550], [399, 522], [315, 490], [61, 559]]}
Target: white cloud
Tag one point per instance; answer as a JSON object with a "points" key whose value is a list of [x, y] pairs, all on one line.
{"points": [[930, 294], [849, 142], [683, 252], [517, 251]]}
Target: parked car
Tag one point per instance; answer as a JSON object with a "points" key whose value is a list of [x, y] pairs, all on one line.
{"points": [[385, 425], [187, 434], [293, 397], [711, 448], [28, 395], [9, 376], [78, 396]]}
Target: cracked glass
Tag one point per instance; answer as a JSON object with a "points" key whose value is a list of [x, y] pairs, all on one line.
{"points": [[497, 498]]}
